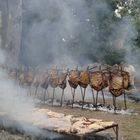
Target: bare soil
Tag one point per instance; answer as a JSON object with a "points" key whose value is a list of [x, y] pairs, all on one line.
{"points": [[129, 125], [6, 135]]}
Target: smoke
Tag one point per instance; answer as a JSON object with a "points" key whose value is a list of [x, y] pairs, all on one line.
{"points": [[124, 35], [62, 32], [74, 32], [17, 110], [69, 33]]}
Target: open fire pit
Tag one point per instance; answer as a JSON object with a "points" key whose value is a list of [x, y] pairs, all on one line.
{"points": [[56, 126]]}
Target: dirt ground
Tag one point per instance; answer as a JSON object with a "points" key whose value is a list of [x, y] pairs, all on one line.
{"points": [[129, 125], [6, 135]]}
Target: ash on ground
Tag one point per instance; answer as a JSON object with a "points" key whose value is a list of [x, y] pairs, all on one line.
{"points": [[89, 106]]}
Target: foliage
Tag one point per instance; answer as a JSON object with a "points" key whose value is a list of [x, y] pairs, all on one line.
{"points": [[124, 8], [93, 39], [114, 57]]}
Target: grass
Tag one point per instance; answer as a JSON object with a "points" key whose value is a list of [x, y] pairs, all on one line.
{"points": [[129, 125]]}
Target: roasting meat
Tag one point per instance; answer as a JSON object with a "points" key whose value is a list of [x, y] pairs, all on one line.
{"points": [[84, 79], [62, 80], [28, 78], [13, 74], [73, 78], [82, 126], [116, 85], [119, 81], [53, 78], [126, 80], [45, 80], [116, 92], [21, 78], [38, 79], [98, 80]]}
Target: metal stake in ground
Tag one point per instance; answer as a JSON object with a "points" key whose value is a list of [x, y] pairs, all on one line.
{"points": [[103, 96], [83, 96], [93, 96], [53, 96], [73, 96], [62, 97]]}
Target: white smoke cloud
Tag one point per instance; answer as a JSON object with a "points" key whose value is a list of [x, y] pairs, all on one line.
{"points": [[123, 37], [61, 32], [17, 110]]}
